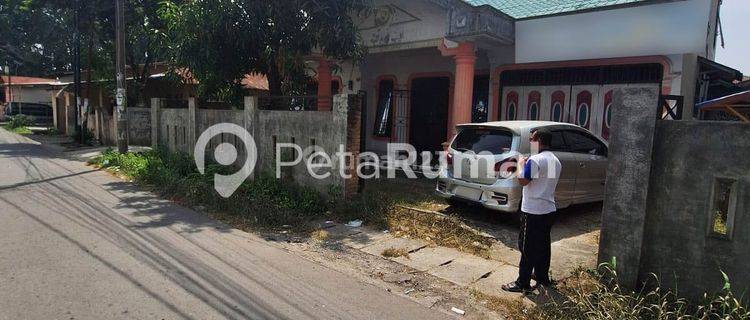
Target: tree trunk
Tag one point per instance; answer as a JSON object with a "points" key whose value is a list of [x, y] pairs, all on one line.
{"points": [[274, 77]]}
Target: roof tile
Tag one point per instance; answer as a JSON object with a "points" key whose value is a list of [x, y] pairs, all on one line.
{"points": [[527, 8]]}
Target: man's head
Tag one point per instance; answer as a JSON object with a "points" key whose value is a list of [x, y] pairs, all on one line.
{"points": [[541, 139]]}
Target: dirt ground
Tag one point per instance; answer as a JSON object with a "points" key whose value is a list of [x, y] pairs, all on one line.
{"points": [[575, 235]]}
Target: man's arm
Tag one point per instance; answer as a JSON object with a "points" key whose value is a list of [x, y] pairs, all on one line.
{"points": [[525, 178]]}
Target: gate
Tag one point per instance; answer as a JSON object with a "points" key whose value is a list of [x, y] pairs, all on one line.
{"points": [[401, 116]]}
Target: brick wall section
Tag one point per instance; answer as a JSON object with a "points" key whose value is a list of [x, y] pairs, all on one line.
{"points": [[353, 140]]}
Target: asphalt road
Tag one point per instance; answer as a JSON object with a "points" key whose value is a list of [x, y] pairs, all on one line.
{"points": [[77, 243]]}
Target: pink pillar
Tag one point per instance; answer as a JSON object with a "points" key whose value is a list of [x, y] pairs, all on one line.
{"points": [[465, 59], [324, 85]]}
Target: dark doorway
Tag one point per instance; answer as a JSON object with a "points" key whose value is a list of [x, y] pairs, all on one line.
{"points": [[428, 125], [481, 99]]}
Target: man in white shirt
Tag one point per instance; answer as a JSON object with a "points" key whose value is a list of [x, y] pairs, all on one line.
{"points": [[539, 175]]}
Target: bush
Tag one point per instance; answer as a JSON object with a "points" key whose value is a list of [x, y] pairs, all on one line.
{"points": [[263, 202], [19, 121]]}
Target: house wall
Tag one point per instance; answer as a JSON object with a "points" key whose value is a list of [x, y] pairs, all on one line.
{"points": [[27, 94], [394, 24], [673, 27], [403, 66]]}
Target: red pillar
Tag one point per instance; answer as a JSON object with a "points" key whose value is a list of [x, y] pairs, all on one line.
{"points": [[324, 85], [465, 59]]}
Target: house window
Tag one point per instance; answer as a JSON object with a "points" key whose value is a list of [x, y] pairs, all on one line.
{"points": [[608, 116], [723, 203], [535, 99], [511, 111], [556, 109], [510, 105], [557, 112], [583, 115], [534, 111], [384, 112]]}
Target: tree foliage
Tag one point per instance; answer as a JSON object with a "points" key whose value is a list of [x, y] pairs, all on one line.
{"points": [[221, 41], [34, 39], [38, 36]]}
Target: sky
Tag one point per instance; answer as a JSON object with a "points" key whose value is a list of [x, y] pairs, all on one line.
{"points": [[735, 19]]}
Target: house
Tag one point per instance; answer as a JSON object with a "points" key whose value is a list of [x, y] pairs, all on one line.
{"points": [[436, 63], [99, 99], [25, 90]]}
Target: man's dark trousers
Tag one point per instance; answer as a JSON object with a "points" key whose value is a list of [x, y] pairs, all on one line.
{"points": [[535, 245]]}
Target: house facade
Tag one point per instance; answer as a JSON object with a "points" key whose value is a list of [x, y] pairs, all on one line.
{"points": [[433, 64]]}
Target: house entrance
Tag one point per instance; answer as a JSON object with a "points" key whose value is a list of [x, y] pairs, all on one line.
{"points": [[428, 125]]}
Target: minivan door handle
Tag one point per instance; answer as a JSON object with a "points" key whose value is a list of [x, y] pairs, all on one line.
{"points": [[582, 165]]}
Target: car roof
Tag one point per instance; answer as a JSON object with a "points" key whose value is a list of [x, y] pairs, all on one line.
{"points": [[518, 125]]}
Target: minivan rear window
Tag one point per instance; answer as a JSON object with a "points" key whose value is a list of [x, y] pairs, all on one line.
{"points": [[495, 141]]}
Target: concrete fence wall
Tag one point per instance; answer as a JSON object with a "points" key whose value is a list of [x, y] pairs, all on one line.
{"points": [[179, 129], [139, 126], [661, 199]]}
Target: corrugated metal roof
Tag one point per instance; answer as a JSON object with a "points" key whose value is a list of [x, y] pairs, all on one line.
{"points": [[520, 9]]}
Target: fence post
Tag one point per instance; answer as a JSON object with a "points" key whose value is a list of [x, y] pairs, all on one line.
{"points": [[191, 125], [250, 121], [155, 106], [628, 176], [54, 111]]}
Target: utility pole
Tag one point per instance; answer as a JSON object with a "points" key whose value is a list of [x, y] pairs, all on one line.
{"points": [[77, 69], [9, 98], [121, 96]]}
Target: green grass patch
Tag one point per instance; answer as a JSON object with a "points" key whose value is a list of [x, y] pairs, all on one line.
{"points": [[17, 130], [18, 124], [264, 202]]}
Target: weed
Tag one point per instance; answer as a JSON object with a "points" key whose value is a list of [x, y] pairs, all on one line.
{"points": [[19, 121], [320, 235], [443, 230], [395, 253], [590, 294], [264, 202], [18, 124]]}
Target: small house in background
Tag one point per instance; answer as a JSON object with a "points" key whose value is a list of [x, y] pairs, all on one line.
{"points": [[30, 92], [98, 97]]}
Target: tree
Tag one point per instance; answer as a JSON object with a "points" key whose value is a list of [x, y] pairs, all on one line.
{"points": [[221, 41], [34, 40], [38, 36]]}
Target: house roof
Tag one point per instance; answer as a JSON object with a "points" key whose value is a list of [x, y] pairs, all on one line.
{"points": [[19, 80], [736, 98], [521, 9]]}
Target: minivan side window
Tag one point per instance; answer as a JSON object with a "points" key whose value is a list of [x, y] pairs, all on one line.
{"points": [[580, 142], [558, 143]]}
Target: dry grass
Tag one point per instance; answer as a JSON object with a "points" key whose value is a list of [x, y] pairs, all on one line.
{"points": [[395, 253], [320, 235], [442, 230], [512, 309]]}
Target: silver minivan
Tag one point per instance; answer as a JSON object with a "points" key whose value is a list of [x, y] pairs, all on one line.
{"points": [[494, 147]]}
